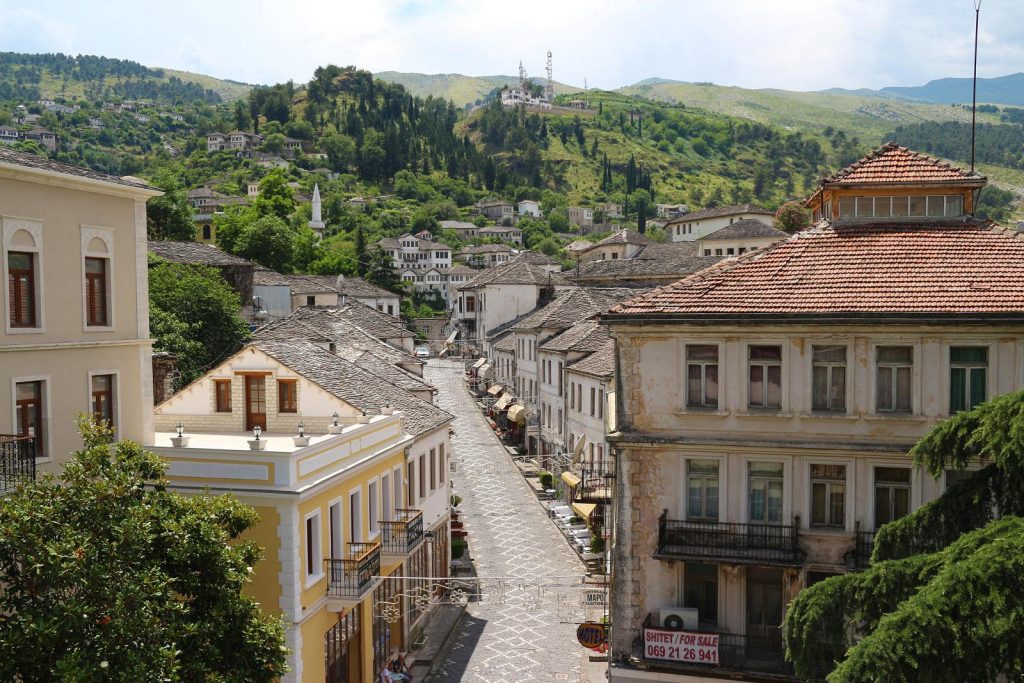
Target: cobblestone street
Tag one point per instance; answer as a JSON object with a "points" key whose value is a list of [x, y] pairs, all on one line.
{"points": [[525, 632]]}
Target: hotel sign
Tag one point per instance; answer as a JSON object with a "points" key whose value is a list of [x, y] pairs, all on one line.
{"points": [[681, 646]]}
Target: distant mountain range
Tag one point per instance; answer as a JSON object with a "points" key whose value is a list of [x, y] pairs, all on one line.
{"points": [[1007, 90]]}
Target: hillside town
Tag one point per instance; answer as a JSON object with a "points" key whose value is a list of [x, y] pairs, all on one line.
{"points": [[331, 381]]}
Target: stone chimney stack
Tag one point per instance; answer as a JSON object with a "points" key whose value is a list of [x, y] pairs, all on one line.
{"points": [[165, 373]]}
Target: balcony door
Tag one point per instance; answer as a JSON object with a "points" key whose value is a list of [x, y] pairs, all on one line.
{"points": [[764, 608], [255, 402]]}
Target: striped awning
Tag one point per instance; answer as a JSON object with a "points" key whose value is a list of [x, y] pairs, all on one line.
{"points": [[570, 479], [517, 413]]}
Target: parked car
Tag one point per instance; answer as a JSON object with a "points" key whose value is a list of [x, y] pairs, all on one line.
{"points": [[422, 352]]}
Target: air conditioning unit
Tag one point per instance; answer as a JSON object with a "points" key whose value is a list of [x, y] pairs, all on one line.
{"points": [[678, 618]]}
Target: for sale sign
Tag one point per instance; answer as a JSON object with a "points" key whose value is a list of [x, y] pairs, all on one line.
{"points": [[681, 646]]}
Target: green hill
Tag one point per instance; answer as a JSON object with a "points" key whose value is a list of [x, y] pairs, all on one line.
{"points": [[462, 90]]}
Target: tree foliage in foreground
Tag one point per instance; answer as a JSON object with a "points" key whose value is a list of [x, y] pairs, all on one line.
{"points": [[943, 599], [105, 575]]}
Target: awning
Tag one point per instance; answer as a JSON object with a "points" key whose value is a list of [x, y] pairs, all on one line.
{"points": [[584, 510], [495, 389], [484, 371], [479, 362], [452, 336], [503, 402], [571, 479], [517, 413]]}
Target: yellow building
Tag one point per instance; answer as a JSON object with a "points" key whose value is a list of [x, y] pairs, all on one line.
{"points": [[75, 304], [349, 475]]}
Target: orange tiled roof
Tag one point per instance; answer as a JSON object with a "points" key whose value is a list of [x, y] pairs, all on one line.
{"points": [[879, 270], [891, 163]]}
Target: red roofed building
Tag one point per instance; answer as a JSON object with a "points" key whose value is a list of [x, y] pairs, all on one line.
{"points": [[766, 405]]}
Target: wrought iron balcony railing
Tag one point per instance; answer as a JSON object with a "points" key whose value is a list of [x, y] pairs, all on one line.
{"points": [[17, 461], [401, 536], [351, 577], [729, 541], [595, 484], [859, 555]]}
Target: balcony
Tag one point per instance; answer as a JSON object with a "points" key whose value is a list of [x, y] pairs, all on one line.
{"points": [[403, 535], [351, 579], [595, 485], [762, 544], [859, 556], [17, 461]]}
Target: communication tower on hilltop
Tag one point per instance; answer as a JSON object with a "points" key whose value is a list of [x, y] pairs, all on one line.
{"points": [[549, 88], [522, 77]]}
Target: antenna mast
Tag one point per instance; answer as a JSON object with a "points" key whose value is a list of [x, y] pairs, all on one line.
{"points": [[549, 90], [522, 77], [974, 87]]}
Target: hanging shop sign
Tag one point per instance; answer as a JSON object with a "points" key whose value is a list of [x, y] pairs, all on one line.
{"points": [[592, 635]]}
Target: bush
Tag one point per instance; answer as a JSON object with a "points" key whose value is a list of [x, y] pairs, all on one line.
{"points": [[546, 479], [458, 548], [597, 545], [456, 500]]}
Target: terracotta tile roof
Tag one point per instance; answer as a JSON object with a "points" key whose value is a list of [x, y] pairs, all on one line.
{"points": [[875, 271], [892, 164]]}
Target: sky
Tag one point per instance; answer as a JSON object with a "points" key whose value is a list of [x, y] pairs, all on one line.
{"points": [[790, 44]]}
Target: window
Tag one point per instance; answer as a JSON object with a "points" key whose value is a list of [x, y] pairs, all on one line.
{"points": [[206, 232], [572, 395], [892, 494], [765, 363], [718, 252], [579, 397], [600, 403], [371, 504], [828, 378], [440, 465], [559, 420], [700, 591], [702, 489], [828, 496], [423, 476], [21, 288], [355, 517], [313, 553], [222, 395], [764, 483], [702, 375], [103, 399], [310, 300], [892, 378], [96, 299], [968, 374], [954, 477], [433, 469], [334, 531], [28, 409], [593, 401], [286, 396], [396, 483]]}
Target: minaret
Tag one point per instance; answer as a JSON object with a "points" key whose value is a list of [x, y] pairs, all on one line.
{"points": [[316, 224]]}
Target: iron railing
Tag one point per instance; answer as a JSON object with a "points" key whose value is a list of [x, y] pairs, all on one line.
{"points": [[17, 461], [730, 541], [595, 485], [401, 536], [760, 652], [859, 556], [351, 577]]}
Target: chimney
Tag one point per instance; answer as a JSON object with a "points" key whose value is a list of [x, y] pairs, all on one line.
{"points": [[165, 374]]}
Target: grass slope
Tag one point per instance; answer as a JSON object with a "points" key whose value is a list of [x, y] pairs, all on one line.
{"points": [[461, 90]]}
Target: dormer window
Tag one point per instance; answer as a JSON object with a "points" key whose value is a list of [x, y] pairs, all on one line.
{"points": [[915, 206]]}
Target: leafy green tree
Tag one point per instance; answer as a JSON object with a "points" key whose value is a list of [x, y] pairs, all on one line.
{"points": [[268, 241], [380, 270], [274, 143], [306, 249], [230, 224], [943, 597], [109, 576], [275, 197], [791, 217], [205, 305], [169, 216]]}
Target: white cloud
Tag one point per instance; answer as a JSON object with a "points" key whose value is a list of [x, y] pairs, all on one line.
{"points": [[794, 44]]}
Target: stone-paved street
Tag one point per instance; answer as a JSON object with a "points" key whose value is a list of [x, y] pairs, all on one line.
{"points": [[525, 634]]}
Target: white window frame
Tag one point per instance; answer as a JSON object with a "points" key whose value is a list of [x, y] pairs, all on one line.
{"points": [[915, 378], [47, 411], [685, 383], [12, 225], [387, 508], [105, 235], [317, 546], [783, 376], [847, 498], [397, 489], [850, 362], [722, 490], [915, 488], [355, 521], [787, 488], [115, 399], [373, 508]]}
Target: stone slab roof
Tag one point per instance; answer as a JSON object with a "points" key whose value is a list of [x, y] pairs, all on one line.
{"points": [[15, 158], [748, 228], [720, 211], [600, 363], [197, 253], [655, 260], [356, 386], [585, 336], [515, 272], [573, 305]]}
